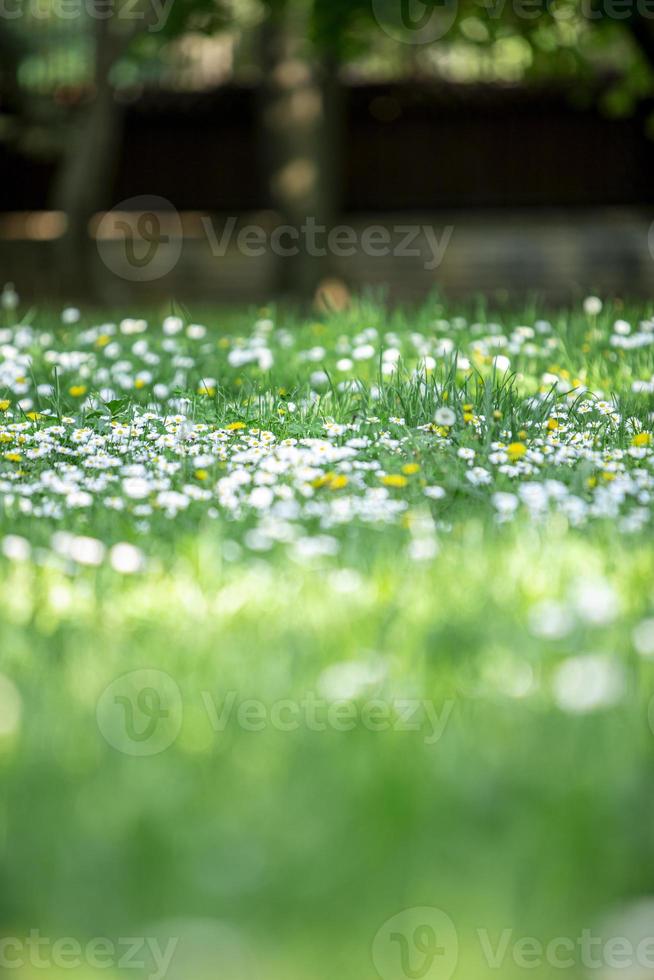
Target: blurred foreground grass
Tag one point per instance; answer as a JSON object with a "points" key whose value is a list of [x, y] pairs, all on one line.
{"points": [[500, 809]]}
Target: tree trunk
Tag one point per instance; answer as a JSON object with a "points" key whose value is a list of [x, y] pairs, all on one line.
{"points": [[83, 181], [299, 133]]}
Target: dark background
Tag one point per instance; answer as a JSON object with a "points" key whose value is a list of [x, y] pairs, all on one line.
{"points": [[542, 165], [435, 146]]}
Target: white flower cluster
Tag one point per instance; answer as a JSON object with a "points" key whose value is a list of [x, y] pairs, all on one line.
{"points": [[110, 431]]}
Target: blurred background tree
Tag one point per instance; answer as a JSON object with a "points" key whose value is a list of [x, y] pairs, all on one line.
{"points": [[65, 82]]}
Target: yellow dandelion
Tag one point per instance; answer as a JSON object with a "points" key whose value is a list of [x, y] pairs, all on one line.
{"points": [[642, 439], [4, 404], [333, 481], [76, 391], [394, 480], [516, 450], [235, 426], [409, 469]]}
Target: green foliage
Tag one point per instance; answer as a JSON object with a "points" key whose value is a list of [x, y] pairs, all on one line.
{"points": [[515, 795]]}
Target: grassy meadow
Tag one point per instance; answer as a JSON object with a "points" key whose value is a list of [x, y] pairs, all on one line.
{"points": [[327, 645]]}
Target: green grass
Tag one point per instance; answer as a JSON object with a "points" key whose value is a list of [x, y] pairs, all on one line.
{"points": [[386, 686]]}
